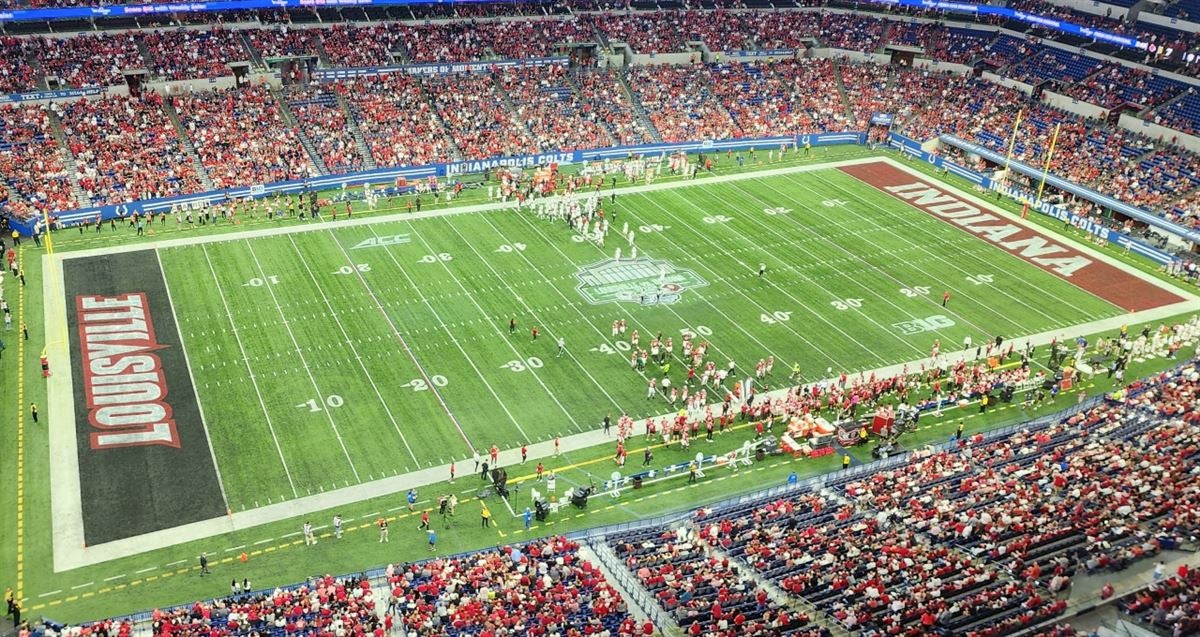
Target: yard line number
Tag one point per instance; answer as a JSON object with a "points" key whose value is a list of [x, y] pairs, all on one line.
{"points": [[846, 304], [434, 258], [419, 384], [717, 219], [915, 291], [775, 317], [980, 279], [511, 247], [258, 283], [351, 269], [533, 362], [313, 405]]}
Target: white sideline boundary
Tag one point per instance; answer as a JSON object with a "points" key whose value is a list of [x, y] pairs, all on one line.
{"points": [[66, 507]]}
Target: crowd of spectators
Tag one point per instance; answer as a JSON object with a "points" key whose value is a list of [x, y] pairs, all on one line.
{"points": [[284, 41], [185, 54], [602, 95], [476, 116], [241, 136], [89, 59], [852, 32], [873, 88], [126, 148], [506, 39], [16, 74], [1116, 84], [940, 42], [1172, 605], [323, 120], [781, 98], [545, 100], [704, 593], [36, 179], [358, 46], [322, 606], [397, 122], [539, 588], [680, 102]]}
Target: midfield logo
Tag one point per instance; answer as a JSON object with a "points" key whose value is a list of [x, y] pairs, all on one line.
{"points": [[376, 242], [645, 281]]}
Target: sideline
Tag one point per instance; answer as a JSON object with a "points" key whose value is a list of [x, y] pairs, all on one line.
{"points": [[69, 551]]}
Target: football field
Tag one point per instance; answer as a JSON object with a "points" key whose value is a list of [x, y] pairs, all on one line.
{"points": [[338, 354]]}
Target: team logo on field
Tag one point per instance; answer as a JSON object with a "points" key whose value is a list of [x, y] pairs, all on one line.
{"points": [[646, 281], [377, 242], [927, 324]]}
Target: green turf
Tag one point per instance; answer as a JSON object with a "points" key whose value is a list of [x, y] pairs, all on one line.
{"points": [[452, 316], [362, 333]]}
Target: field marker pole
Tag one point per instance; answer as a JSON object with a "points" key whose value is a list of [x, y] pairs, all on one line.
{"points": [[1046, 167], [19, 596], [1012, 141]]}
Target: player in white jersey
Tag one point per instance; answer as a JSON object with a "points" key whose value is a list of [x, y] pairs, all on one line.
{"points": [[651, 388]]}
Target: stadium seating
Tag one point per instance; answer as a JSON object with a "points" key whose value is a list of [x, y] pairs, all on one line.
{"points": [[778, 99], [33, 165], [126, 149], [601, 93], [89, 60], [324, 122], [396, 120], [542, 587], [544, 99], [16, 74], [241, 136], [183, 55], [478, 120], [704, 593], [1170, 606], [680, 103]]}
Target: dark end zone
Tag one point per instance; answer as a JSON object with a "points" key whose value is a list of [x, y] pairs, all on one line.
{"points": [[144, 458], [1098, 278]]}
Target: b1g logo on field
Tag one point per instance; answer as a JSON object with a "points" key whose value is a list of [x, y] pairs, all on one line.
{"points": [[644, 280], [927, 324]]}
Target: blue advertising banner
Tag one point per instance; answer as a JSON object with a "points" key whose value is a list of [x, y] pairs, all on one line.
{"points": [[128, 10], [51, 95], [1063, 26], [911, 147]]}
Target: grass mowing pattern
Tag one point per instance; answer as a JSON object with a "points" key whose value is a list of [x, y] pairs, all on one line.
{"points": [[273, 323]]}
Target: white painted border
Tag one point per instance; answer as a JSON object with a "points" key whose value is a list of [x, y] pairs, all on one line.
{"points": [[69, 550]]}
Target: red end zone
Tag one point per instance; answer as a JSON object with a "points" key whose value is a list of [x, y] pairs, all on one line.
{"points": [[1063, 261]]}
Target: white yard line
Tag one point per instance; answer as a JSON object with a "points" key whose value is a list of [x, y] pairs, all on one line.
{"points": [[503, 337], [354, 350], [949, 263], [145, 570], [736, 325], [195, 388], [749, 267], [250, 372], [873, 294], [533, 312], [73, 554], [75, 588], [411, 216], [304, 363], [550, 241], [429, 384]]}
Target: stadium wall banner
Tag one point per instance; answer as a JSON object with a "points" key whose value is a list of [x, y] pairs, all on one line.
{"points": [[433, 69], [413, 173], [118, 11], [1148, 218], [912, 148], [1062, 26], [52, 95]]}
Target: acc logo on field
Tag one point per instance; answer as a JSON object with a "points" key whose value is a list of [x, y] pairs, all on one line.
{"points": [[646, 281], [927, 324], [376, 242]]}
